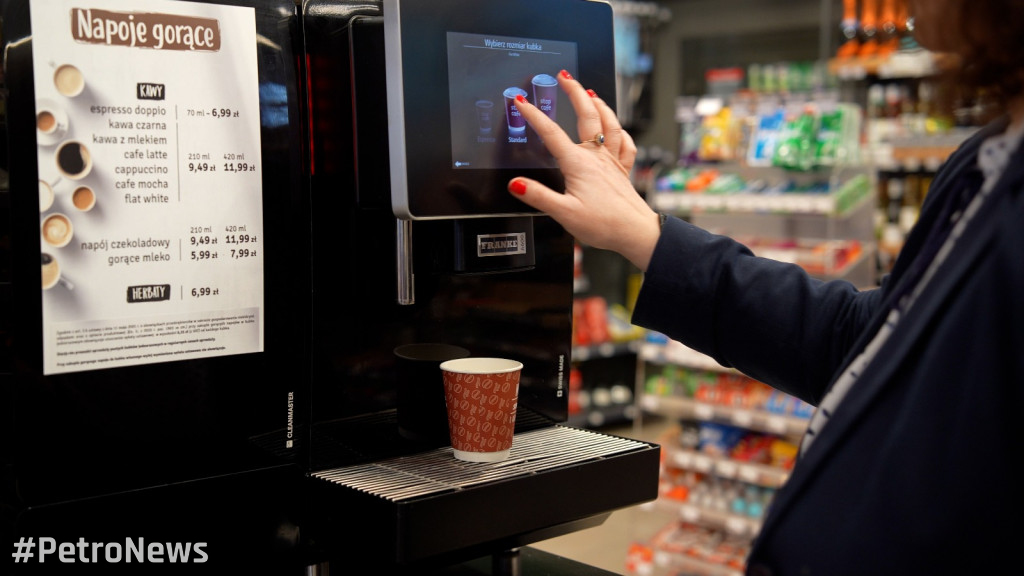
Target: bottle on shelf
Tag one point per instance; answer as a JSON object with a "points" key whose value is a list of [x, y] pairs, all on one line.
{"points": [[869, 44], [849, 26]]}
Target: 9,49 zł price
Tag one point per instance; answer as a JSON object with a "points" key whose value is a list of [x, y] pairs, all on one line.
{"points": [[237, 243]]}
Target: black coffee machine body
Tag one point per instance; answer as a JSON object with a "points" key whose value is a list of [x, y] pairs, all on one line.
{"points": [[417, 243]]}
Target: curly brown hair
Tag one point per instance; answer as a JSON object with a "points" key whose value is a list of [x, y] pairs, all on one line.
{"points": [[993, 50]]}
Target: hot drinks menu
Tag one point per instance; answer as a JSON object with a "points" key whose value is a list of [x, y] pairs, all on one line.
{"points": [[150, 186]]}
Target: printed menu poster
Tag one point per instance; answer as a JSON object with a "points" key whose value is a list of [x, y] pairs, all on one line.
{"points": [[150, 186]]}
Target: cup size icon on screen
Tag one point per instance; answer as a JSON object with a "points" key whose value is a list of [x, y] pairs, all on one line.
{"points": [[545, 94], [516, 122]]}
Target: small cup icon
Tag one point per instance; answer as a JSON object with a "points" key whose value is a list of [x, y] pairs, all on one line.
{"points": [[45, 196], [481, 396], [516, 122], [46, 122], [83, 198], [57, 230], [69, 80], [51, 122], [484, 109], [51, 271], [73, 160], [545, 94]]}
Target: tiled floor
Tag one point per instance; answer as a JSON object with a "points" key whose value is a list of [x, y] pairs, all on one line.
{"points": [[607, 545]]}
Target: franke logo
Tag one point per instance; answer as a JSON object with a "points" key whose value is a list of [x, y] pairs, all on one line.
{"points": [[500, 244]]}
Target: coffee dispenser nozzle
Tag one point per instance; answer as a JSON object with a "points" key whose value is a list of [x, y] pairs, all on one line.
{"points": [[406, 284]]}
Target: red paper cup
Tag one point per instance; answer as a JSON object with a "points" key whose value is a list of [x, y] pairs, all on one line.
{"points": [[481, 395]]}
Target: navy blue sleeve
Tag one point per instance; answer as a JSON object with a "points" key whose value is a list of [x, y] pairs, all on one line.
{"points": [[768, 319]]}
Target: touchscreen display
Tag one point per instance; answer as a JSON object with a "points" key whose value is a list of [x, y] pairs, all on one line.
{"points": [[485, 73]]}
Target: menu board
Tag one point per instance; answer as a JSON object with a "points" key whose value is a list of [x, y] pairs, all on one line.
{"points": [[150, 184]]}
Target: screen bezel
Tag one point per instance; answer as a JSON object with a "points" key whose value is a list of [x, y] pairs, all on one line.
{"points": [[424, 183]]}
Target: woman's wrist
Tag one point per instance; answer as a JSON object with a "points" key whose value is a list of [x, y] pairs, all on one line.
{"points": [[640, 247]]}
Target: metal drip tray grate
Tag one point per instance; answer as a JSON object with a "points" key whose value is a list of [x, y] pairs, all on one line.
{"points": [[437, 471]]}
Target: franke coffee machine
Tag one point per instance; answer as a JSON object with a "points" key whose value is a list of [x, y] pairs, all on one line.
{"points": [[298, 211], [413, 142]]}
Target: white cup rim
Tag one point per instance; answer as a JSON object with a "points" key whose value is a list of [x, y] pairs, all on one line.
{"points": [[481, 365]]}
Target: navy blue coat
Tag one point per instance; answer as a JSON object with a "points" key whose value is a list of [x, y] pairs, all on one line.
{"points": [[916, 472]]}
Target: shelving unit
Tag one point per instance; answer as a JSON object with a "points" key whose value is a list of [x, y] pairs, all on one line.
{"points": [[718, 497], [689, 409], [604, 352], [830, 233], [609, 397]]}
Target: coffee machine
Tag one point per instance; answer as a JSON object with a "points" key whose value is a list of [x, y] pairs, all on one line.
{"points": [[263, 384], [413, 142]]}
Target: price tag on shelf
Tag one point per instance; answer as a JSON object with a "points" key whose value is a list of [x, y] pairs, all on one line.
{"points": [[749, 474], [737, 525], [742, 418], [650, 402], [702, 463], [650, 352], [703, 411], [662, 558], [683, 459], [824, 205], [777, 424], [689, 513], [726, 468]]}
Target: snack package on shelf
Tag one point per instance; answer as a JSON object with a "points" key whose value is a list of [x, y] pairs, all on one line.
{"points": [[590, 321], [719, 137], [699, 550], [782, 454], [797, 141], [765, 135], [838, 141], [719, 439]]}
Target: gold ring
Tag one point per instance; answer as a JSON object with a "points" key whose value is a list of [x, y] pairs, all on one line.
{"points": [[597, 139]]}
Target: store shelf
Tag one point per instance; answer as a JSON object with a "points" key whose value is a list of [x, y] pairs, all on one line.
{"points": [[733, 524], [605, 395], [678, 354], [604, 350], [694, 566], [902, 64], [755, 420], [598, 417], [926, 152], [751, 473], [687, 549], [834, 203]]}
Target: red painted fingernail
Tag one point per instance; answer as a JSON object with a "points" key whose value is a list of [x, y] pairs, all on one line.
{"points": [[592, 93], [565, 74], [517, 187], [519, 98]]}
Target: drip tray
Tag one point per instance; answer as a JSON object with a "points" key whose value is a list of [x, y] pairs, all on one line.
{"points": [[412, 508]]}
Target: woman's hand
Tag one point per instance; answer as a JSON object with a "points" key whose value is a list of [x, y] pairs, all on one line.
{"points": [[600, 207]]}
